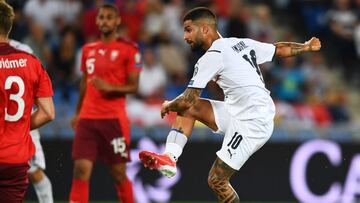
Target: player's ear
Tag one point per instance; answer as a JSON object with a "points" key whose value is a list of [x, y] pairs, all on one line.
{"points": [[205, 29]]}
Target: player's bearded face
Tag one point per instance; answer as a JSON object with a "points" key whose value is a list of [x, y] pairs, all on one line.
{"points": [[107, 21], [192, 35], [197, 43]]}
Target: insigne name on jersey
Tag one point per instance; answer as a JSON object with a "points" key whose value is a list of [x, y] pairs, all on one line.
{"points": [[239, 46]]}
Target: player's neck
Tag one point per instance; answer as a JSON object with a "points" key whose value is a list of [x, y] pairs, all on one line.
{"points": [[213, 37], [108, 38], [3, 39]]}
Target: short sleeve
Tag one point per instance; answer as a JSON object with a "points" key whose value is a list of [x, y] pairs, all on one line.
{"points": [[21, 46], [208, 66], [26, 48], [264, 51], [44, 86], [134, 62]]}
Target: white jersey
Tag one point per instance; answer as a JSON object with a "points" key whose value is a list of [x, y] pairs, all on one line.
{"points": [[233, 64], [21, 46]]}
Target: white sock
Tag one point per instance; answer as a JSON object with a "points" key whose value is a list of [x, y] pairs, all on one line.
{"points": [[43, 190], [175, 143]]}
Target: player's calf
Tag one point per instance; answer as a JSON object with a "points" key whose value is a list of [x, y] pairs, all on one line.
{"points": [[218, 181], [123, 185], [118, 172], [223, 190]]}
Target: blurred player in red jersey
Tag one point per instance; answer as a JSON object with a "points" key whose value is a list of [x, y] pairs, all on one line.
{"points": [[24, 83], [111, 70]]}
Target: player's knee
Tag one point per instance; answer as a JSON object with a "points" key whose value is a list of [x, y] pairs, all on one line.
{"points": [[198, 109], [119, 177], [192, 112], [82, 171], [118, 174], [36, 176]]}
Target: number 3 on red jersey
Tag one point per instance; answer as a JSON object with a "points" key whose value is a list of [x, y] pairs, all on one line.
{"points": [[15, 97]]}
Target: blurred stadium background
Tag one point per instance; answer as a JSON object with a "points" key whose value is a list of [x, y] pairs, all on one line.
{"points": [[314, 153]]}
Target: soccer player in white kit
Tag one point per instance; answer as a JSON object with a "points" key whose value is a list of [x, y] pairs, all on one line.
{"points": [[244, 118], [38, 178]]}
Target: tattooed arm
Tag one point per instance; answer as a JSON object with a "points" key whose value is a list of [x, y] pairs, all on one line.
{"points": [[286, 49], [181, 103]]}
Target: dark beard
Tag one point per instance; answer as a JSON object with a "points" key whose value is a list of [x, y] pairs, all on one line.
{"points": [[196, 47], [107, 33]]}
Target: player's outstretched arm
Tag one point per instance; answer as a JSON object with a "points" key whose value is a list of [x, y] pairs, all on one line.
{"points": [[286, 49], [182, 102], [45, 112]]}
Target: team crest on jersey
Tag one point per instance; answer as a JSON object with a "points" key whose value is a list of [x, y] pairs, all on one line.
{"points": [[114, 55]]}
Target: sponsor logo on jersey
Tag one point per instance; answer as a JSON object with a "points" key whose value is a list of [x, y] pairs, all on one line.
{"points": [[17, 63], [231, 154], [102, 52]]}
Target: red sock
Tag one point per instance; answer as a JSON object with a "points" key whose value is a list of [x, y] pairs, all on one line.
{"points": [[125, 191], [79, 191]]}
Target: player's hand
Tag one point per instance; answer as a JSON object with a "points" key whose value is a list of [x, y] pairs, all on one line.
{"points": [[101, 85], [74, 121], [165, 109], [314, 44]]}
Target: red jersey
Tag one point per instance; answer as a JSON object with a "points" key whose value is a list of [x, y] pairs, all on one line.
{"points": [[111, 62], [2, 110], [22, 78]]}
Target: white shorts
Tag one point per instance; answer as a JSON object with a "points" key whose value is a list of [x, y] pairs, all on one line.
{"points": [[38, 160], [241, 137]]}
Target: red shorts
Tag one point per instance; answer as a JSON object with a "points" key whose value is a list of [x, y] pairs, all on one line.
{"points": [[103, 138], [13, 182]]}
